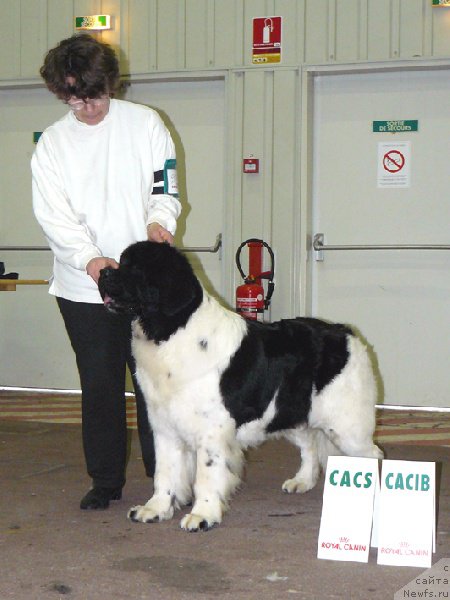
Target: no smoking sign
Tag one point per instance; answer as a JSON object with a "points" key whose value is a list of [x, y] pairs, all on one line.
{"points": [[393, 161], [394, 164]]}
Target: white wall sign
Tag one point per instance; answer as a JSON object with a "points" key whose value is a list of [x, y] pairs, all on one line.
{"points": [[394, 165]]}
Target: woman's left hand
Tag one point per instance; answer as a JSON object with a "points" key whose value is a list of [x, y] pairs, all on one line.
{"points": [[157, 233]]}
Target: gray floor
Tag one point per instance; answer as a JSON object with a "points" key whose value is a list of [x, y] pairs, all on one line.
{"points": [[266, 547]]}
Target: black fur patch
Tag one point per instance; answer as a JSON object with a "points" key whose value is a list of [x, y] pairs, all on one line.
{"points": [[291, 357]]}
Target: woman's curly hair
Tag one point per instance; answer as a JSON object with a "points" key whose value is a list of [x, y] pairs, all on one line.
{"points": [[92, 64]]}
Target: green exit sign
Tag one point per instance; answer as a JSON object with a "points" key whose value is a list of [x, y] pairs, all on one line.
{"points": [[93, 22], [395, 126]]}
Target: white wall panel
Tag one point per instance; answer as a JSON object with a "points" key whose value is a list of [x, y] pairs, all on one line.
{"points": [[395, 29], [292, 30], [34, 349], [316, 32], [86, 7], [379, 30], [171, 35], [441, 32], [257, 125], [199, 34], [60, 14], [9, 39], [232, 229], [21, 113], [228, 33], [117, 36], [285, 192], [347, 27], [33, 34], [412, 27], [142, 38]]}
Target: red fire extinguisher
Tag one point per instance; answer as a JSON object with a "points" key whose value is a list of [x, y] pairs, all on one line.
{"points": [[250, 300]]}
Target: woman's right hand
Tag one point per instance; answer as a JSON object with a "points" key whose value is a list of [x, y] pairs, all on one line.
{"points": [[95, 265]]}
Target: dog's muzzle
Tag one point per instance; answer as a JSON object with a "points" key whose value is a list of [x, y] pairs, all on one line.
{"points": [[110, 288]]}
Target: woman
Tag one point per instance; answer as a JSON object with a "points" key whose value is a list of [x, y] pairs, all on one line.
{"points": [[102, 179]]}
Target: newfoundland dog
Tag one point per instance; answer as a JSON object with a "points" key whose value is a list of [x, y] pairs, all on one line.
{"points": [[215, 384]]}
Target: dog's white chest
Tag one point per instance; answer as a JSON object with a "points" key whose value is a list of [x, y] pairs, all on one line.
{"points": [[201, 349]]}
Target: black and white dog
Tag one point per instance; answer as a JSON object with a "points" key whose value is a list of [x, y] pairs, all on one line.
{"points": [[216, 384]]}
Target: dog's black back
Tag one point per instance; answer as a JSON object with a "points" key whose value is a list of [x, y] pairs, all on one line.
{"points": [[293, 356]]}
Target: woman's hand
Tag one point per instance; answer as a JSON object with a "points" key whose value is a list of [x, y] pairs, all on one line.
{"points": [[157, 233], [95, 265]]}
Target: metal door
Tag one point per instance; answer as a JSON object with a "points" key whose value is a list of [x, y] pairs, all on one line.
{"points": [[385, 263]]}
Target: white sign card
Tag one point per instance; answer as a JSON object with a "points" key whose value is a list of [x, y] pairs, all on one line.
{"points": [[406, 528], [347, 510], [394, 165], [376, 517]]}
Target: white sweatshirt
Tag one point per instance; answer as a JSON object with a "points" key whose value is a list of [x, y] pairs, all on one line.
{"points": [[95, 190]]}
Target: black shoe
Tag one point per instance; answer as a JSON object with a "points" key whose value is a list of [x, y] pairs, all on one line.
{"points": [[98, 498]]}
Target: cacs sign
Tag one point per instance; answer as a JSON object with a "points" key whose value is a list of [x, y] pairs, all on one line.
{"points": [[348, 479], [348, 498]]}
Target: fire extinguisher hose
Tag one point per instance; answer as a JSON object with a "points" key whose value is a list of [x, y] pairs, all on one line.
{"points": [[269, 275]]}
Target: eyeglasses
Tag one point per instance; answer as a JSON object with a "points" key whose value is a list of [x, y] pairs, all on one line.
{"points": [[78, 104]]}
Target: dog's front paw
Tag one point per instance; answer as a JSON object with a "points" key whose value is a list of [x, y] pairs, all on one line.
{"points": [[297, 486], [193, 522], [149, 514]]}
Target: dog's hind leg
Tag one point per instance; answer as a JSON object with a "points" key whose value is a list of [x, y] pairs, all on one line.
{"points": [[355, 443], [351, 429], [345, 409], [308, 474]]}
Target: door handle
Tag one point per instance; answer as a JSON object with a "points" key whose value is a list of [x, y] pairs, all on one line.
{"points": [[319, 247]]}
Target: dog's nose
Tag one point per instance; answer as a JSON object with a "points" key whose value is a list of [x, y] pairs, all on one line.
{"points": [[106, 272]]}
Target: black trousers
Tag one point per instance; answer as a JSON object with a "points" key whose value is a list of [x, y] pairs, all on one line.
{"points": [[102, 346]]}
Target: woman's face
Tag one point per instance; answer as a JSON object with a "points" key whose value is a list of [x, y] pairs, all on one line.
{"points": [[89, 111]]}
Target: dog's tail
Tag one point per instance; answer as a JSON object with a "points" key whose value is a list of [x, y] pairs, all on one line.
{"points": [[325, 448]]}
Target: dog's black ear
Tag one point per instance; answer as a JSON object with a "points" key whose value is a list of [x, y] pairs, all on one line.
{"points": [[178, 296], [169, 285], [180, 288], [148, 297]]}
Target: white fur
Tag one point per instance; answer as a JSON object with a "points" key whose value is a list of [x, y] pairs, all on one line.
{"points": [[199, 453]]}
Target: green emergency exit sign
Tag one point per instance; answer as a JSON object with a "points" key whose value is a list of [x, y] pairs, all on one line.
{"points": [[395, 126]]}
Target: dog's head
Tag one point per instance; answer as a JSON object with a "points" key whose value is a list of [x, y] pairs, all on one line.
{"points": [[154, 283]]}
